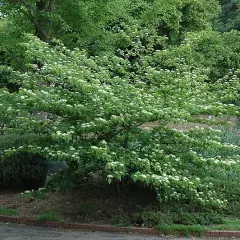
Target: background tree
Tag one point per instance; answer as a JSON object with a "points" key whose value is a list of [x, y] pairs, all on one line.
{"points": [[96, 24], [229, 18], [126, 28]]}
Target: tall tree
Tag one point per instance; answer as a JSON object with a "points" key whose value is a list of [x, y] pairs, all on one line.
{"points": [[39, 13], [229, 17], [100, 24]]}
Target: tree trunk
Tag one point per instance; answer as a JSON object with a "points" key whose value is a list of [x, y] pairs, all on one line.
{"points": [[42, 32]]}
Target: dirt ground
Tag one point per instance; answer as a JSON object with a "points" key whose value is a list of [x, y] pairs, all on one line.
{"points": [[87, 203]]}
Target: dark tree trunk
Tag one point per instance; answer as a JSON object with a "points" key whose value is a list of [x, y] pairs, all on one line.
{"points": [[40, 5], [43, 31]]}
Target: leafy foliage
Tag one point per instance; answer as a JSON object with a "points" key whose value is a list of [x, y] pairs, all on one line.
{"points": [[229, 18], [182, 229], [217, 55], [8, 212], [92, 118], [40, 194], [21, 169], [96, 71], [229, 224], [63, 180], [100, 25]]}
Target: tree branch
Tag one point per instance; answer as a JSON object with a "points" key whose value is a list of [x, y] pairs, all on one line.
{"points": [[51, 9]]}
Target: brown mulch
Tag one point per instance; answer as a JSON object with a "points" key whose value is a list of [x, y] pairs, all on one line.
{"points": [[88, 203]]}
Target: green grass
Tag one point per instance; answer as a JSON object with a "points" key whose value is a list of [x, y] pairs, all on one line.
{"points": [[49, 216], [183, 229], [229, 224], [8, 212]]}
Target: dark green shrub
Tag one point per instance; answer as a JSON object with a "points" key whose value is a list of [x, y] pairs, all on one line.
{"points": [[231, 190], [154, 218], [181, 229], [5, 75], [198, 218], [22, 169], [64, 180]]}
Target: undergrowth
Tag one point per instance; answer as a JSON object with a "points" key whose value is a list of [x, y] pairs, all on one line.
{"points": [[8, 211], [49, 215], [228, 224], [181, 229]]}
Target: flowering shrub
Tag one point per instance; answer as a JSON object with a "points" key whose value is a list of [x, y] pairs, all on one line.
{"points": [[40, 193], [91, 118]]}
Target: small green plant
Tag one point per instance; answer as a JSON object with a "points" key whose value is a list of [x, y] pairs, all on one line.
{"points": [[40, 193], [63, 180], [49, 215], [152, 218], [182, 229], [8, 211]]}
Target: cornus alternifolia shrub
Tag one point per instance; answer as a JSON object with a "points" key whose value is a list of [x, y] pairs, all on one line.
{"points": [[92, 118]]}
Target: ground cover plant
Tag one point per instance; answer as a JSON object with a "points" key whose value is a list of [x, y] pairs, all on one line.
{"points": [[84, 98], [182, 229], [48, 216], [8, 212], [229, 224]]}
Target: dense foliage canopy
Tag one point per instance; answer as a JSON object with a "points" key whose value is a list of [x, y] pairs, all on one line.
{"points": [[230, 16], [86, 76]]}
